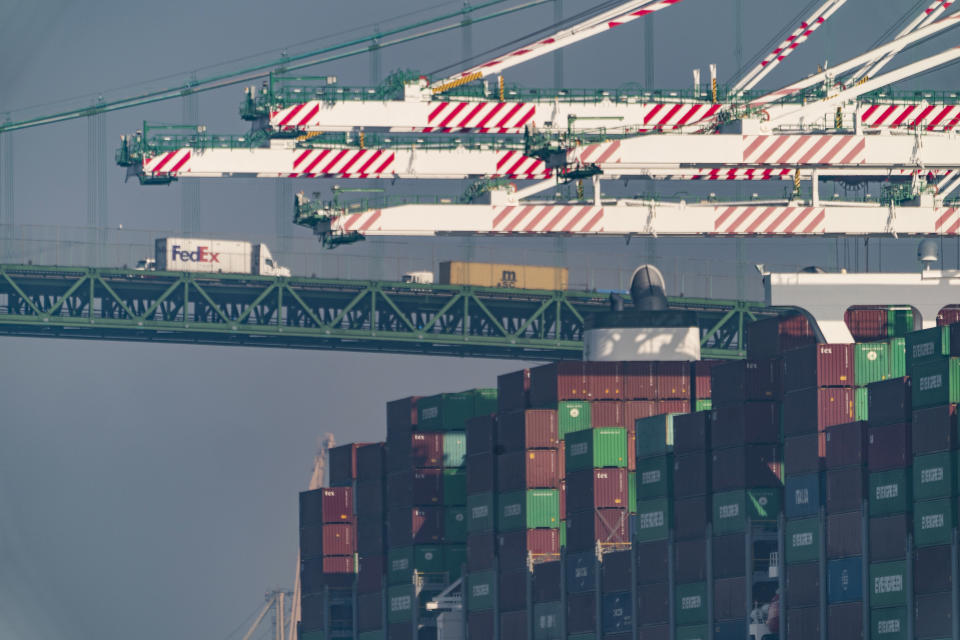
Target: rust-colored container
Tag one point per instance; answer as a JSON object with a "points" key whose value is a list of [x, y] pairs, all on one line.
{"points": [[652, 562], [604, 380], [426, 449], [605, 413], [770, 337], [691, 432], [597, 488], [866, 324], [934, 429], [634, 410], [751, 466], [653, 604], [673, 380], [765, 379], [515, 547], [672, 406], [371, 462], [428, 487], [547, 581], [481, 434], [639, 381], [513, 391], [533, 469], [690, 517], [631, 450], [690, 560], [338, 564], [701, 377], [691, 474], [581, 612], [615, 571], [889, 402], [948, 315], [844, 535], [804, 454], [419, 525], [481, 473], [370, 573], [811, 410], [551, 383], [585, 528], [481, 550], [822, 365], [747, 423], [512, 589], [530, 429], [343, 464], [846, 489], [339, 539], [371, 500], [337, 504], [889, 447], [846, 445]]}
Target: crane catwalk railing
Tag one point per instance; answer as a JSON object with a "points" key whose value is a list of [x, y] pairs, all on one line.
{"points": [[309, 313]]}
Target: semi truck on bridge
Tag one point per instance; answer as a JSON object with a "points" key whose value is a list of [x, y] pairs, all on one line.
{"points": [[200, 255]]}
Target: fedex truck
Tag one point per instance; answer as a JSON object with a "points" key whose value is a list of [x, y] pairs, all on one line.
{"points": [[215, 256]]}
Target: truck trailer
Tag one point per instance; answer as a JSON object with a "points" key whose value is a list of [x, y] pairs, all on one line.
{"points": [[200, 255]]}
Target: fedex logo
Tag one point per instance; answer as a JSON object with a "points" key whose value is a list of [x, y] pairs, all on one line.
{"points": [[202, 254]]}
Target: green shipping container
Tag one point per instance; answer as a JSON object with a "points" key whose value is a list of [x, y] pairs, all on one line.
{"points": [[400, 603], [484, 402], [481, 590], [936, 382], [928, 344], [898, 357], [596, 449], [547, 621], [480, 512], [454, 449], [654, 435], [454, 487], [572, 415], [693, 632], [933, 476], [655, 477], [888, 624], [732, 508], [691, 604], [888, 584], [933, 522], [899, 321], [632, 491], [454, 557], [455, 524], [445, 411], [530, 509], [703, 404], [890, 492], [803, 540], [563, 533], [871, 361], [403, 561], [861, 403], [652, 521]]}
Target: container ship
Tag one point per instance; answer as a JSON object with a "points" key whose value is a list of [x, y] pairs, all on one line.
{"points": [[808, 492]]}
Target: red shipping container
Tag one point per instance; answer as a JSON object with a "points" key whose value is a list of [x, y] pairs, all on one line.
{"points": [[343, 464], [639, 381], [371, 463], [846, 445], [339, 539], [338, 504], [427, 449], [604, 413], [822, 365], [585, 528], [604, 380], [889, 447], [428, 487], [481, 434], [418, 525], [531, 429], [514, 547], [597, 488], [770, 337], [700, 373], [672, 406], [948, 315], [631, 450], [812, 410], [563, 500], [634, 410], [866, 324], [512, 391], [562, 459], [370, 574], [533, 469], [338, 564], [551, 383], [673, 380]]}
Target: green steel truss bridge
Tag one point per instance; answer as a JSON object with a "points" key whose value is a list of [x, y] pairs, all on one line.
{"points": [[311, 313]]}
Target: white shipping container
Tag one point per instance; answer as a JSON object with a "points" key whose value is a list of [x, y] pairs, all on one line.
{"points": [[200, 255]]}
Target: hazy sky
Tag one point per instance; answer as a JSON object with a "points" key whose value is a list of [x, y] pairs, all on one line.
{"points": [[150, 490]]}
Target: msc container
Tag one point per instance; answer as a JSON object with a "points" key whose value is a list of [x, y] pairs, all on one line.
{"points": [[804, 454], [481, 549], [846, 489], [551, 383], [597, 488], [512, 391], [690, 560], [513, 624], [531, 429], [343, 464], [454, 487], [888, 624], [845, 580], [733, 509], [604, 380], [803, 540], [596, 448], [931, 569], [749, 423], [581, 612], [729, 555], [547, 582], [616, 612], [572, 415], [845, 534], [822, 365], [803, 584], [690, 517], [934, 617], [654, 477], [531, 469], [654, 435], [481, 435], [888, 537], [934, 429], [512, 588], [503, 276], [581, 571], [652, 562], [889, 402], [729, 598], [936, 382], [772, 336], [803, 622], [846, 445], [653, 604], [615, 571], [746, 467], [400, 602], [691, 603], [652, 520], [481, 590], [811, 410], [888, 447], [933, 522], [529, 509], [606, 526], [691, 432], [803, 495], [934, 476], [326, 505], [889, 492]]}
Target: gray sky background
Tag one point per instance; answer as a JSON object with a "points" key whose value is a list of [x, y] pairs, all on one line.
{"points": [[151, 490]]}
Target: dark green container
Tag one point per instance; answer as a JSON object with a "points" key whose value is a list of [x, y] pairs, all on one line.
{"points": [[455, 524], [933, 476], [693, 632], [933, 522], [481, 514], [445, 411], [403, 561], [803, 540], [888, 624], [936, 382], [928, 344], [484, 402], [732, 508], [691, 604], [481, 590], [379, 634], [898, 357], [400, 603], [530, 509], [890, 492], [454, 557], [572, 415], [654, 435], [596, 449], [654, 477], [454, 449], [547, 621], [871, 361], [454, 487], [652, 521], [888, 584]]}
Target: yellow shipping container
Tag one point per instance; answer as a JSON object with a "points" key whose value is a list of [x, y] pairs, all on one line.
{"points": [[507, 276]]}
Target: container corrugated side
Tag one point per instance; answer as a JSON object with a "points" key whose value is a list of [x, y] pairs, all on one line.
{"points": [[803, 540], [572, 415], [596, 448], [936, 382], [888, 584], [933, 522], [691, 603], [889, 492]]}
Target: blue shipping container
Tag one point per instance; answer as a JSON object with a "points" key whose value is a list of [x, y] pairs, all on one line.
{"points": [[617, 612], [845, 580], [803, 495], [730, 630], [581, 571]]}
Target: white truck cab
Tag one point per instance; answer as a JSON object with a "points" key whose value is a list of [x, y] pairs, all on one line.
{"points": [[417, 277]]}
